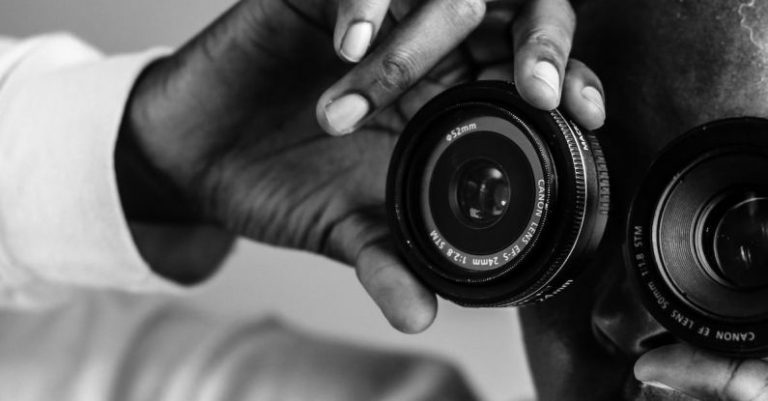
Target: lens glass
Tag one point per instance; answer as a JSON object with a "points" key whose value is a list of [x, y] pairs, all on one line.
{"points": [[741, 243], [470, 203], [482, 193]]}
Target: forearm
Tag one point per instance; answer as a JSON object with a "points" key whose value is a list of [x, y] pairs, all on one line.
{"points": [[146, 194], [165, 223], [61, 105]]}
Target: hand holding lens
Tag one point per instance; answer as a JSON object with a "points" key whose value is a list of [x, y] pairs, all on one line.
{"points": [[495, 203]]}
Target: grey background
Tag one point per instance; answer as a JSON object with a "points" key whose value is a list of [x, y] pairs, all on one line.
{"points": [[309, 291]]}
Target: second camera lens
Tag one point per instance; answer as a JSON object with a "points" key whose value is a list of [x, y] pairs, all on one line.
{"points": [[697, 235], [740, 240]]}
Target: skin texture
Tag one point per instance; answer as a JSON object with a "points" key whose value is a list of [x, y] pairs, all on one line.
{"points": [[231, 124], [542, 31], [234, 123], [666, 68]]}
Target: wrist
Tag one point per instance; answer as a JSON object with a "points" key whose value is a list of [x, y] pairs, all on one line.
{"points": [[164, 222], [147, 193]]}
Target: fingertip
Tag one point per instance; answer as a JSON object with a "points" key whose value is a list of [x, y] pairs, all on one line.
{"points": [[408, 306], [583, 96], [539, 84], [595, 116], [356, 40], [322, 121], [412, 47], [650, 367], [538, 95], [643, 369], [546, 73], [405, 302], [357, 23], [542, 33], [342, 115], [416, 318]]}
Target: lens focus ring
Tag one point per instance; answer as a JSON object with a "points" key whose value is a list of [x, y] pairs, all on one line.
{"points": [[494, 202]]}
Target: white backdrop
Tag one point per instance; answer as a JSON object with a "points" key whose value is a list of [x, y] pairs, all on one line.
{"points": [[306, 290]]}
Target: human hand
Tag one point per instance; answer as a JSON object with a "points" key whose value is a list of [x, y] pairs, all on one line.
{"points": [[230, 121], [704, 376], [541, 32]]}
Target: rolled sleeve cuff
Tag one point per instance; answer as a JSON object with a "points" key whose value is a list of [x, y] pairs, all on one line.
{"points": [[61, 219]]}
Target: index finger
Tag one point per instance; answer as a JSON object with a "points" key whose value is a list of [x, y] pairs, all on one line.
{"points": [[408, 53], [703, 375], [542, 34]]}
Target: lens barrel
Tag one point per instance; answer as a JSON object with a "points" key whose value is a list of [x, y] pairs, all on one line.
{"points": [[697, 237], [493, 202]]}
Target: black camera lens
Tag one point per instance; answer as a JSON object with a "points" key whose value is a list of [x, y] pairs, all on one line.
{"points": [[494, 202], [482, 193], [741, 243], [735, 240], [698, 237]]}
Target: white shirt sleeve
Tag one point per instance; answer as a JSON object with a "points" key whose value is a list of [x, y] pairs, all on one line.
{"points": [[5, 44], [61, 221]]}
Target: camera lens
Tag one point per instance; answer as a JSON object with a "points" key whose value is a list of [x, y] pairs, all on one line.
{"points": [[698, 237], [482, 193], [493, 202], [741, 243], [736, 238]]}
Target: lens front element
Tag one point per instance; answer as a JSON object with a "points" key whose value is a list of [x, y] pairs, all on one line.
{"points": [[482, 193], [741, 243]]}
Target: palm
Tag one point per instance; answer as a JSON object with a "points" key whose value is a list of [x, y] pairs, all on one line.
{"points": [[330, 190], [231, 120], [270, 173]]}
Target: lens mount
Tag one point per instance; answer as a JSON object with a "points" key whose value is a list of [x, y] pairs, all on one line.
{"points": [[493, 202], [694, 236]]}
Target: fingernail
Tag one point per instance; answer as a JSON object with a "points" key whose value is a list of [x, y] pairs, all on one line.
{"points": [[344, 113], [594, 97], [356, 41], [658, 385], [547, 73]]}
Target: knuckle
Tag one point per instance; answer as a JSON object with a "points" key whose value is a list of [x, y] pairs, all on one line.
{"points": [[551, 39], [363, 9], [398, 72], [470, 12], [569, 14], [370, 274]]}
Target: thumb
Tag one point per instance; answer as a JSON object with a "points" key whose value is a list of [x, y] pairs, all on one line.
{"points": [[363, 240], [406, 303]]}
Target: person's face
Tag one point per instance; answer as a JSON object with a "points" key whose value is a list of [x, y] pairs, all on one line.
{"points": [[667, 67]]}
